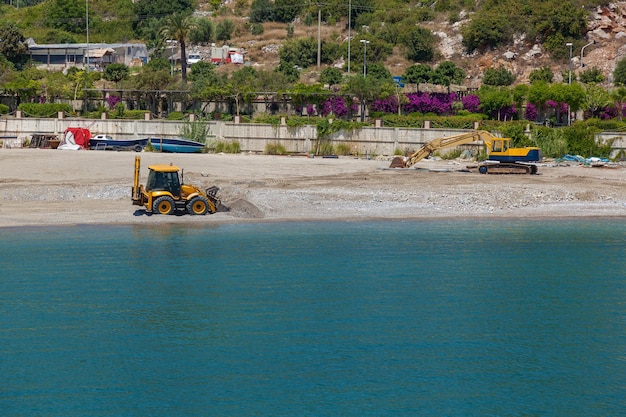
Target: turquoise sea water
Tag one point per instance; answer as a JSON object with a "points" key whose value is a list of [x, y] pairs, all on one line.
{"points": [[444, 318]]}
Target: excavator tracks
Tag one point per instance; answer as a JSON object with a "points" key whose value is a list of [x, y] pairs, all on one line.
{"points": [[507, 168]]}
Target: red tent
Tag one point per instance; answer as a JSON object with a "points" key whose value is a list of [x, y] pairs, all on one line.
{"points": [[77, 136]]}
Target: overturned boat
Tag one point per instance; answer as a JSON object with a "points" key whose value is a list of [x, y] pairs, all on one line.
{"points": [[176, 145]]}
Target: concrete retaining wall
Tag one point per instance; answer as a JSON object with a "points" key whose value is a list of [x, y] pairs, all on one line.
{"points": [[251, 136]]}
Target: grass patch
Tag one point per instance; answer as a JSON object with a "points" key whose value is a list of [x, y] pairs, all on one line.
{"points": [[227, 147], [275, 149]]}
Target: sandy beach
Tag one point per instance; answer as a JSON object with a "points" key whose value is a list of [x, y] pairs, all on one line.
{"points": [[41, 187]]}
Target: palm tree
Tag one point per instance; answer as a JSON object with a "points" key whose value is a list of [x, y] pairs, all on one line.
{"points": [[177, 26]]}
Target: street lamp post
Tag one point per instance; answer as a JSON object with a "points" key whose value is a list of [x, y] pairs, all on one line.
{"points": [[87, 27], [582, 50], [172, 44], [569, 111], [365, 42], [349, 30]]}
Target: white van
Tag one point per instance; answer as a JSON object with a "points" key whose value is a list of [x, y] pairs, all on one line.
{"points": [[193, 58]]}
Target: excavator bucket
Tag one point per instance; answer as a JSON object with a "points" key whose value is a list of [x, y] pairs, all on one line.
{"points": [[397, 162]]}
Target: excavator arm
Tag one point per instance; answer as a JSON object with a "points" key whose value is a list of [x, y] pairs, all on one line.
{"points": [[448, 142]]}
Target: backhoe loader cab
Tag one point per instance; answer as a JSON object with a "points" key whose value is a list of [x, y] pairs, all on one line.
{"points": [[166, 193]]}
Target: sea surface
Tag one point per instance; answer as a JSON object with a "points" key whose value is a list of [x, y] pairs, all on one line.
{"points": [[398, 318]]}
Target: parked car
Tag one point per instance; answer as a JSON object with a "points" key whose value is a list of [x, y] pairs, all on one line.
{"points": [[193, 58]]}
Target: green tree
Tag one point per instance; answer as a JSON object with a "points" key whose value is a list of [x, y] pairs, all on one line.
{"points": [[619, 74], [619, 99], [12, 44], [178, 26], [543, 74], [379, 71], [447, 73], [286, 10], [488, 29], [591, 75], [301, 52], [498, 77], [539, 94], [494, 99], [203, 33], [116, 72], [224, 30], [289, 70], [331, 76], [206, 83], [242, 85], [367, 89], [420, 45], [416, 74], [67, 15], [596, 98], [159, 9], [261, 11], [520, 94]]}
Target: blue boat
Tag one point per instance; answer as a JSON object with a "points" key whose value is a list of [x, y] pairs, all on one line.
{"points": [[104, 143], [176, 145]]}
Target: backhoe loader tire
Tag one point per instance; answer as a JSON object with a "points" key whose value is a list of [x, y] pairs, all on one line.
{"points": [[163, 205], [483, 169], [198, 206]]}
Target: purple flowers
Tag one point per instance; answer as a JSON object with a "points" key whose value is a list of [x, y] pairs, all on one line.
{"points": [[335, 105], [388, 105], [531, 112], [471, 103], [112, 101], [438, 103]]}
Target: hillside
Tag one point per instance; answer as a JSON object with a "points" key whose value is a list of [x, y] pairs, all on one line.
{"points": [[606, 26], [519, 53]]}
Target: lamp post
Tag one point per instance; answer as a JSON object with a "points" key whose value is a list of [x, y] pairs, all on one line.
{"points": [[87, 24], [349, 30], [365, 42], [582, 50], [569, 112], [172, 44]]}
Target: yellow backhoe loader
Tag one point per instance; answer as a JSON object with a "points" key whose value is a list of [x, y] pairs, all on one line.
{"points": [[166, 193], [503, 159]]}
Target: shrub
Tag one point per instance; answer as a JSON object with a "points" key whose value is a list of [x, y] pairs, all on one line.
{"points": [[471, 103], [343, 149], [275, 149], [4, 109], [227, 147], [175, 115], [326, 148], [44, 109]]}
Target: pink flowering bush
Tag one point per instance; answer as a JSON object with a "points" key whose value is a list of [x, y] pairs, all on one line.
{"points": [[438, 103], [112, 101], [471, 103], [531, 112]]}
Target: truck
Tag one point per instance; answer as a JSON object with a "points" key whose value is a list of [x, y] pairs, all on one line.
{"points": [[166, 193], [502, 158], [226, 55]]}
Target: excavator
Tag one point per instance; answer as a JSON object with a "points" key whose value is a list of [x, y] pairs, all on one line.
{"points": [[503, 159], [166, 193]]}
